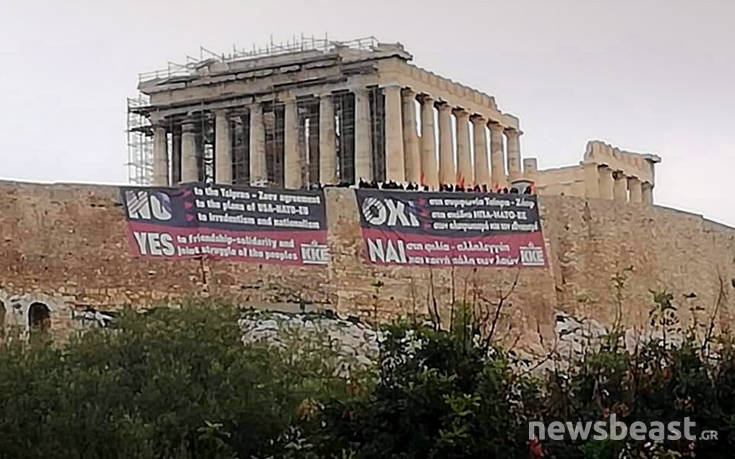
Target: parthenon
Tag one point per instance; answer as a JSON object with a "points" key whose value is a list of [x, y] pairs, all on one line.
{"points": [[324, 112], [327, 112]]}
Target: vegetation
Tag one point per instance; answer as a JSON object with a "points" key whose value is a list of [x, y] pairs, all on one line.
{"points": [[180, 383]]}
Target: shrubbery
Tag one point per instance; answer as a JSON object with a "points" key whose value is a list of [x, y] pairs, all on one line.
{"points": [[170, 383], [180, 383]]}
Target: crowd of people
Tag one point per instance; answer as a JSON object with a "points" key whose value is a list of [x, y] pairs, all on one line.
{"points": [[392, 185]]}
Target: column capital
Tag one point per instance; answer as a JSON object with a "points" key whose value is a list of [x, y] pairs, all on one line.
{"points": [[442, 106], [408, 92], [476, 118], [359, 90], [286, 98], [510, 131], [160, 122], [188, 126], [425, 98], [460, 112], [495, 128]]}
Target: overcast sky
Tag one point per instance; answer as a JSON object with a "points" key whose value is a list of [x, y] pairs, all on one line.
{"points": [[647, 76]]}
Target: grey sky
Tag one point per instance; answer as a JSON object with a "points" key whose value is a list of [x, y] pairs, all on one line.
{"points": [[648, 76]]}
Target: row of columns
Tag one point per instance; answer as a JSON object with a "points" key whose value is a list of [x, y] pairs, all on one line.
{"points": [[408, 156], [419, 152], [603, 182]]}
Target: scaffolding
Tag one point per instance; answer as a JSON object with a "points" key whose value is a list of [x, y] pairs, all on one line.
{"points": [[140, 132], [344, 109], [140, 142], [308, 109], [240, 138], [377, 132], [205, 147], [295, 45], [274, 122]]}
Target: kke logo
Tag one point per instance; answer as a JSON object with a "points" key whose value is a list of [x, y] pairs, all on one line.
{"points": [[532, 256], [388, 212], [314, 253], [144, 205]]}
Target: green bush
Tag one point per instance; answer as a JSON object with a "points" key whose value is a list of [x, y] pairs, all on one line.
{"points": [[170, 383], [438, 396], [180, 383], [452, 394]]}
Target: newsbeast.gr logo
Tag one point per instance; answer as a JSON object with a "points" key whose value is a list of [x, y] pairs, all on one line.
{"points": [[617, 430]]}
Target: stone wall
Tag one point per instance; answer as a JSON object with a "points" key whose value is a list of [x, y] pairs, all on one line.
{"points": [[66, 246]]}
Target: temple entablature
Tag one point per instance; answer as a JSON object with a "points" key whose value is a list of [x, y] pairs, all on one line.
{"points": [[640, 165], [605, 172]]}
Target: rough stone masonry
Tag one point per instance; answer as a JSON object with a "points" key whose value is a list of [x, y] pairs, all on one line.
{"points": [[64, 247]]}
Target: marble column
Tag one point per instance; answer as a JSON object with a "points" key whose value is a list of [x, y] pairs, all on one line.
{"points": [[189, 163], [514, 154], [429, 166], [620, 190], [363, 137], [160, 156], [395, 166], [222, 148], [292, 168], [479, 134], [647, 193], [327, 141], [447, 171], [499, 180], [636, 190], [176, 156], [465, 174], [256, 147], [410, 137], [591, 180], [607, 183]]}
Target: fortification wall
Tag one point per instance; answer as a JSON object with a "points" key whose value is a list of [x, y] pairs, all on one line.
{"points": [[66, 245]]}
